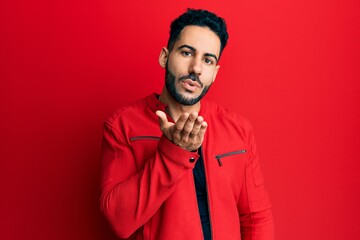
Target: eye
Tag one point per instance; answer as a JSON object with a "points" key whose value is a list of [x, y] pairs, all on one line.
{"points": [[208, 61], [186, 53]]}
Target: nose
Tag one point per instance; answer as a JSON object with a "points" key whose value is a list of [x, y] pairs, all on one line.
{"points": [[196, 66]]}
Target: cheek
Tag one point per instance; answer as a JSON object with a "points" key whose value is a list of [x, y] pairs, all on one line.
{"points": [[208, 76], [178, 66], [174, 70]]}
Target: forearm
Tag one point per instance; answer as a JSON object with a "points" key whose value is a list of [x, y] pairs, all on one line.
{"points": [[257, 226], [129, 199], [254, 206]]}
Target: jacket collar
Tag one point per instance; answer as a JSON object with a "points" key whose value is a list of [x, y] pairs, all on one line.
{"points": [[154, 104]]}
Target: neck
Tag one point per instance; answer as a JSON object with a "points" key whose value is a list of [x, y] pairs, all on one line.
{"points": [[174, 108]]}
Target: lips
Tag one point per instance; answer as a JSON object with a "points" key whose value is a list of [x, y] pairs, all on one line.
{"points": [[191, 83]]}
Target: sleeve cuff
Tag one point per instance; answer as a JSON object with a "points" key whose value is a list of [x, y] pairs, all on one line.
{"points": [[177, 154]]}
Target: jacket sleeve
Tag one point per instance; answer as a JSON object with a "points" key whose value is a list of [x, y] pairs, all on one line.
{"points": [[254, 206], [130, 197]]}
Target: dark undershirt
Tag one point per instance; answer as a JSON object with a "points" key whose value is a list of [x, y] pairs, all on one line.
{"points": [[201, 194]]}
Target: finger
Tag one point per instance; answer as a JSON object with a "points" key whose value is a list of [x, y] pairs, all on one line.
{"points": [[162, 119], [180, 123], [179, 126], [197, 126], [202, 130], [189, 125]]}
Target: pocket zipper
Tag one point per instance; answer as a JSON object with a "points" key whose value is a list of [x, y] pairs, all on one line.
{"points": [[218, 157], [144, 137]]}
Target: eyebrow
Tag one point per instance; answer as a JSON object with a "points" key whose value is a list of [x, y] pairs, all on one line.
{"points": [[194, 50]]}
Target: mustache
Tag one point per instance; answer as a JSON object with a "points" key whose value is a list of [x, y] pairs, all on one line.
{"points": [[193, 77]]}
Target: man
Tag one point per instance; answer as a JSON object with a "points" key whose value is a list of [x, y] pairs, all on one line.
{"points": [[178, 168]]}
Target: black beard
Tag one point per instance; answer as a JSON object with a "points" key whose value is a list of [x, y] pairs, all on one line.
{"points": [[170, 86]]}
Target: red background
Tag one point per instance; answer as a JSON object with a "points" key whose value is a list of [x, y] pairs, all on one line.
{"points": [[291, 67]]}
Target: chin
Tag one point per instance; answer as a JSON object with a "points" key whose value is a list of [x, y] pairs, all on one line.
{"points": [[189, 96]]}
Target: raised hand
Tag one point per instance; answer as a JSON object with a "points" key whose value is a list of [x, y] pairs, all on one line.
{"points": [[188, 131]]}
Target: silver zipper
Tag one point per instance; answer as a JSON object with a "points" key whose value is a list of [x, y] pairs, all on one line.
{"points": [[218, 157]]}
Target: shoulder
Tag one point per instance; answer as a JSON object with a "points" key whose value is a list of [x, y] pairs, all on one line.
{"points": [[128, 113], [217, 113], [227, 125]]}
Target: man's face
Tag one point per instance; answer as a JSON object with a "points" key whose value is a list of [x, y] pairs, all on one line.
{"points": [[191, 66]]}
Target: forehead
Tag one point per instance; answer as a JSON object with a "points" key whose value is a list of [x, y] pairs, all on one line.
{"points": [[201, 38]]}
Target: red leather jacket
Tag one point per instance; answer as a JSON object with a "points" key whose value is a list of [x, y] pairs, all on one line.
{"points": [[148, 189]]}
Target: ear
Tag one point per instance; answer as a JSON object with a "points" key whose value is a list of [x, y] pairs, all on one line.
{"points": [[216, 72], [164, 54]]}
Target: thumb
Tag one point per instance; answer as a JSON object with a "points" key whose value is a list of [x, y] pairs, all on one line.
{"points": [[165, 126], [162, 118]]}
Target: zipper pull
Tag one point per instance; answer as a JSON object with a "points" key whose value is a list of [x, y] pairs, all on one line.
{"points": [[219, 160]]}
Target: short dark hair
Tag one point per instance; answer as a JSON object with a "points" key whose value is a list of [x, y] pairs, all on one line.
{"points": [[202, 18]]}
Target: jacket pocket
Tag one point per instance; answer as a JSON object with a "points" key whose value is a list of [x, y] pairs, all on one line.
{"points": [[143, 148], [137, 138], [144, 138], [220, 156]]}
